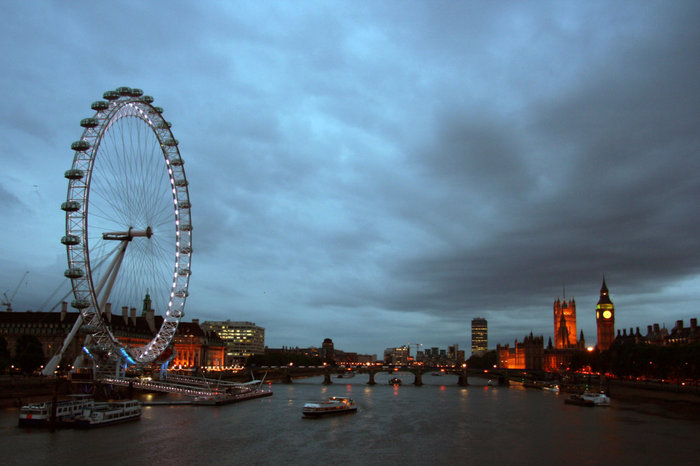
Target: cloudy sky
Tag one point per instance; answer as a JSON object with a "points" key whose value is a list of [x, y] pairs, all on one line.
{"points": [[380, 173]]}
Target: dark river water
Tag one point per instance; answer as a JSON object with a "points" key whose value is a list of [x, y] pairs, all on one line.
{"points": [[437, 423]]}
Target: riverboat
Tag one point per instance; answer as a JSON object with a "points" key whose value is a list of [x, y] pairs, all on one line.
{"points": [[39, 414], [107, 413], [334, 405], [395, 381], [598, 399]]}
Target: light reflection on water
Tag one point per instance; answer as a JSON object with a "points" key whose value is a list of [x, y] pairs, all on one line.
{"points": [[438, 423]]}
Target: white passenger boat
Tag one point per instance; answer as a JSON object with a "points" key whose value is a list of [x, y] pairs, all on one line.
{"points": [[39, 414], [111, 412], [598, 399], [334, 405]]}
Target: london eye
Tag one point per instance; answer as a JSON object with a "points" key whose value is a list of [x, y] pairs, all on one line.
{"points": [[128, 225]]}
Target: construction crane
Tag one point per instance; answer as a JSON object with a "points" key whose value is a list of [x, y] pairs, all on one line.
{"points": [[7, 301]]}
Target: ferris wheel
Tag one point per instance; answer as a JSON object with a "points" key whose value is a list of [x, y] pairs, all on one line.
{"points": [[128, 225]]}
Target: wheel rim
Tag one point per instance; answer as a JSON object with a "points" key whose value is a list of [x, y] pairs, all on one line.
{"points": [[128, 224]]}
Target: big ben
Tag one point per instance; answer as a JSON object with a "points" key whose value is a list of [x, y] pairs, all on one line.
{"points": [[605, 319]]}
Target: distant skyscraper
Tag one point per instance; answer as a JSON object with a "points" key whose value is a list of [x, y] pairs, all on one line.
{"points": [[564, 324], [480, 335], [605, 319]]}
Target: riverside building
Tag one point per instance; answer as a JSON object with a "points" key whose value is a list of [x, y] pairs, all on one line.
{"points": [[242, 339]]}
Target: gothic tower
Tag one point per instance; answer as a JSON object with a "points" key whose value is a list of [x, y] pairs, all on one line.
{"points": [[605, 319], [146, 305], [564, 324]]}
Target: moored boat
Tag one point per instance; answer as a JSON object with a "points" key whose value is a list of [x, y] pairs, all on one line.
{"points": [[39, 414], [395, 381], [333, 405], [107, 413], [598, 399]]}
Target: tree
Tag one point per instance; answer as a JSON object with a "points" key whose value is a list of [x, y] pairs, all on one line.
{"points": [[29, 355], [483, 361]]}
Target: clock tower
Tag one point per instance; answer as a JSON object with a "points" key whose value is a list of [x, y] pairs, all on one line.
{"points": [[605, 319]]}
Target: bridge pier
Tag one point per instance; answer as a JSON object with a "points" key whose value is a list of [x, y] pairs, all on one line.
{"points": [[419, 378], [371, 377], [287, 376], [327, 376], [462, 380]]}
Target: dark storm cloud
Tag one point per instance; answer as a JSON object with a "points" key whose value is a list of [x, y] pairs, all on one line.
{"points": [[612, 193]]}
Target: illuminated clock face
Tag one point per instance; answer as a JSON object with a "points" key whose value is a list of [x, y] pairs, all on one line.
{"points": [[607, 314]]}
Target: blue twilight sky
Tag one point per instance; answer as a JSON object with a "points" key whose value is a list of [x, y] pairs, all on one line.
{"points": [[382, 172]]}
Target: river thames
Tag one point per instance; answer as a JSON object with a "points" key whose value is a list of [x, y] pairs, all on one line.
{"points": [[437, 423]]}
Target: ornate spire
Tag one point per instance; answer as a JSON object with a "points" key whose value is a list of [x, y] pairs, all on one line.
{"points": [[146, 304], [604, 293]]}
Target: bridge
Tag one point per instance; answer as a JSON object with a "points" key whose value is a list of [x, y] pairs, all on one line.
{"points": [[203, 387], [288, 373]]}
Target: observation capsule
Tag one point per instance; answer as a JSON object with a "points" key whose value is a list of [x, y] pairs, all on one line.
{"points": [[186, 227], [181, 183], [99, 105], [177, 313], [147, 98], [70, 206], [70, 240], [89, 122], [73, 272], [182, 293], [110, 95], [80, 303], [184, 204], [184, 272], [170, 142], [74, 174], [186, 250], [87, 328], [80, 146], [163, 124], [135, 92], [176, 161], [158, 109], [123, 90]]}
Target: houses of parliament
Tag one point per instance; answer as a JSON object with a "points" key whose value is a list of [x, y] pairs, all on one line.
{"points": [[533, 355]]}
